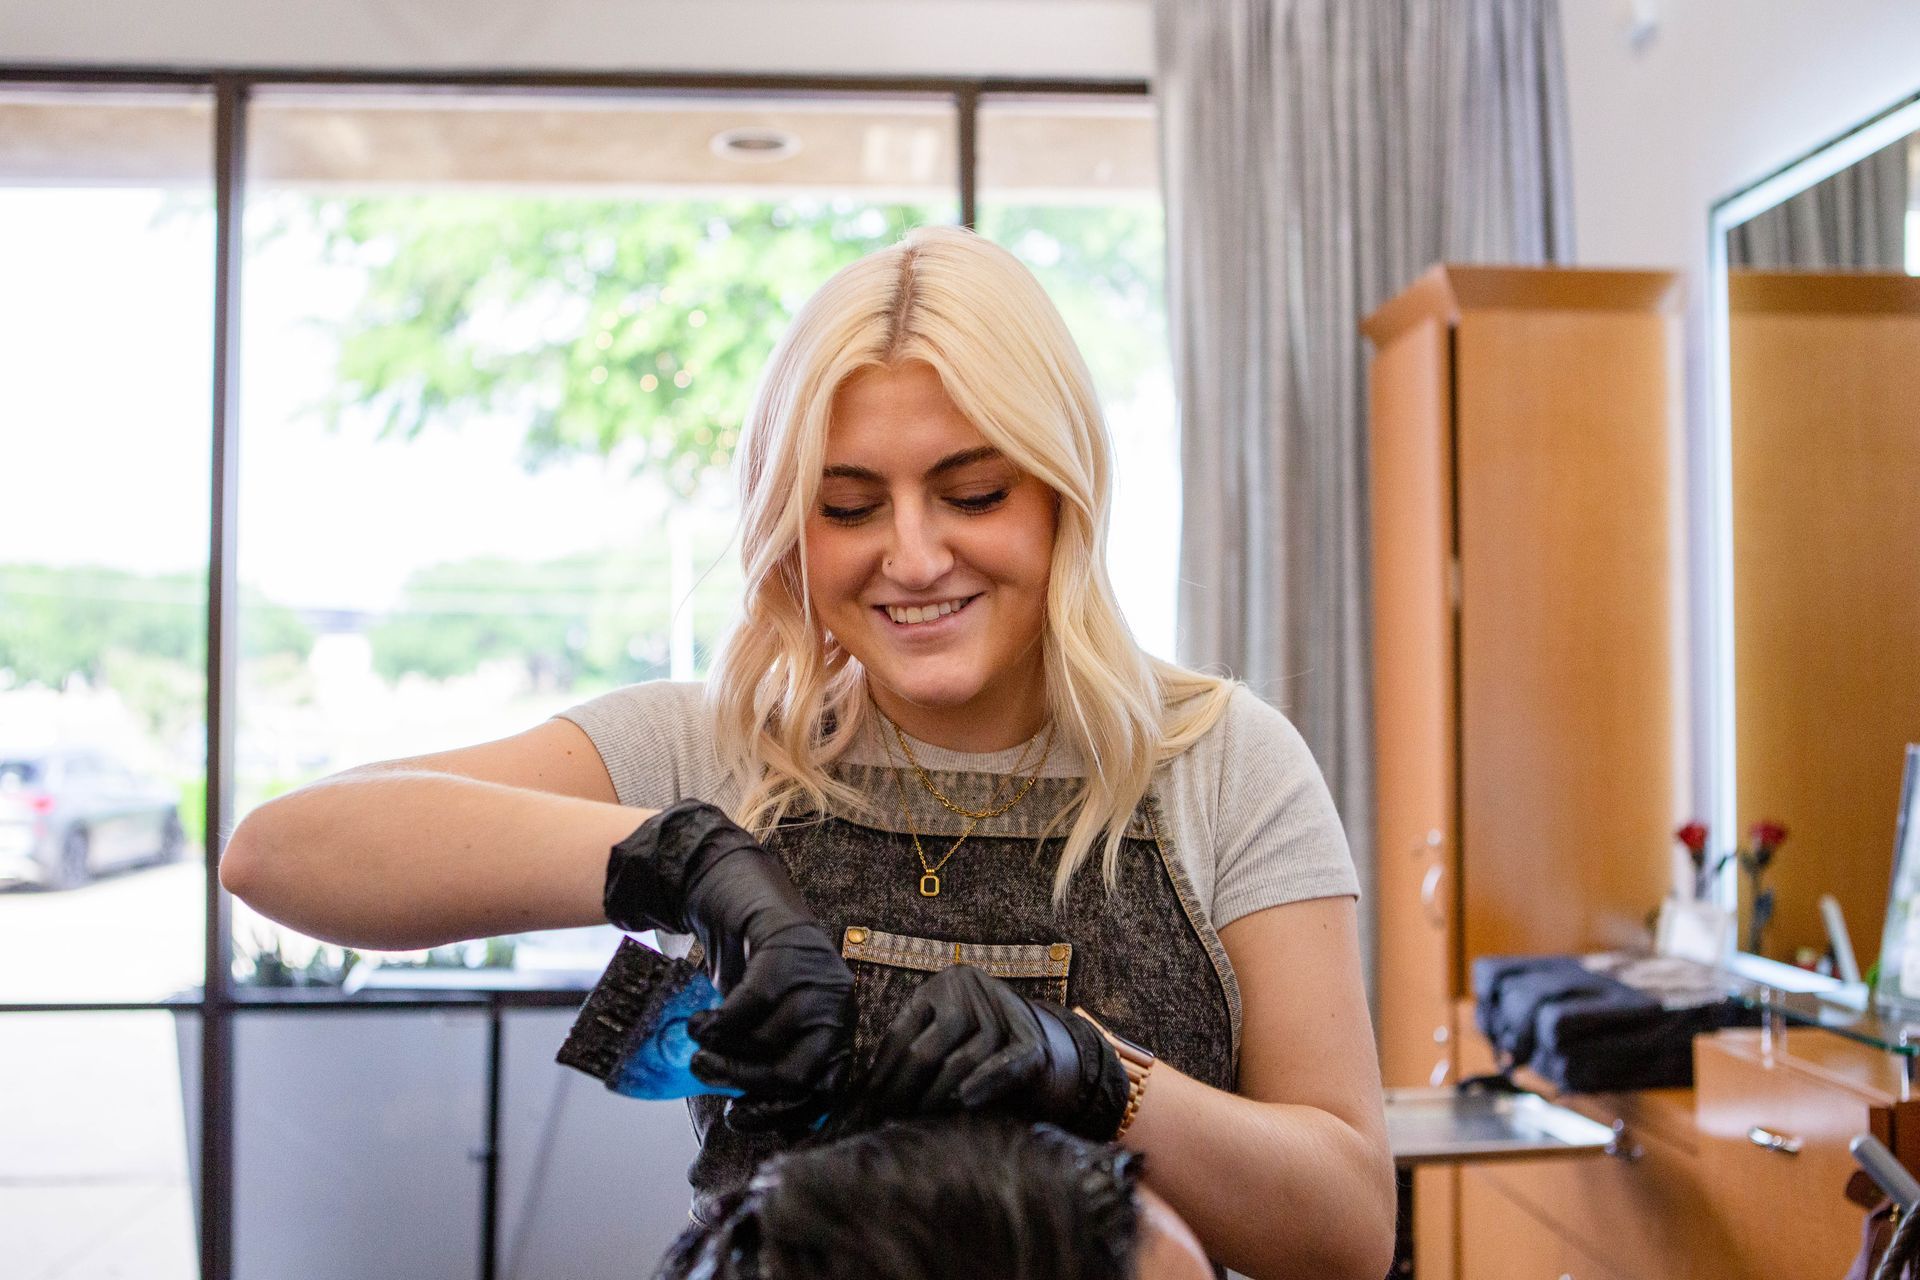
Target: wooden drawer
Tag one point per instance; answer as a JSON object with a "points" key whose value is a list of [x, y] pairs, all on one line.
{"points": [[1502, 1240], [1784, 1214], [1643, 1212]]}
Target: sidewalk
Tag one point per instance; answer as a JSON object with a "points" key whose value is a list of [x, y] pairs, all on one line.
{"points": [[93, 1168]]}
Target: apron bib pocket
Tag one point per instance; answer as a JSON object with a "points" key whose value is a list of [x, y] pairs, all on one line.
{"points": [[889, 967]]}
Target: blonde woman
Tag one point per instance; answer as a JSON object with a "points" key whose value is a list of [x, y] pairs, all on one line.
{"points": [[945, 837]]}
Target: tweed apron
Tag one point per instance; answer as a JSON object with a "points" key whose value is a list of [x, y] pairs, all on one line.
{"points": [[1144, 960]]}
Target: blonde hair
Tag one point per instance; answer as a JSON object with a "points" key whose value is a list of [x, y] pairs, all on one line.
{"points": [[787, 699]]}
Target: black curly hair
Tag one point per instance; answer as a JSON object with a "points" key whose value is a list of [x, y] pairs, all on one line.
{"points": [[951, 1197]]}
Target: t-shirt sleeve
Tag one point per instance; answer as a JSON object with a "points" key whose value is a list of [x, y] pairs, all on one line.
{"points": [[656, 741], [1277, 835]]}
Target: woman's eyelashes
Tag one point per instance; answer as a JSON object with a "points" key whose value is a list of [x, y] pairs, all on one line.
{"points": [[845, 515], [979, 502], [972, 504]]}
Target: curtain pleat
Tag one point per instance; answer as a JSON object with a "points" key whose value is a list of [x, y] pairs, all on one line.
{"points": [[1855, 220], [1317, 156]]}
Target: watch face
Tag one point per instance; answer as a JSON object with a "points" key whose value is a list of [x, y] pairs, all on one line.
{"points": [[1141, 1057], [1125, 1047]]}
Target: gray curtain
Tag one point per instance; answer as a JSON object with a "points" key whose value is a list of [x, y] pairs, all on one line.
{"points": [[1856, 219], [1317, 156]]}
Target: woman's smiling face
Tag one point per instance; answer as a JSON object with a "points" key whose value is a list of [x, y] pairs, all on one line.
{"points": [[927, 559]]}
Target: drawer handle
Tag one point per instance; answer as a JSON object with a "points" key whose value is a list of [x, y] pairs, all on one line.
{"points": [[1430, 895], [1786, 1144]]}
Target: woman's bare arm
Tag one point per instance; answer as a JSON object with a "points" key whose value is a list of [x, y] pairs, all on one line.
{"points": [[498, 838], [1291, 1176]]}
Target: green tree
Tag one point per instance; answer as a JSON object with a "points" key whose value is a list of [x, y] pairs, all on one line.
{"points": [[57, 621], [143, 635], [604, 323], [1104, 266], [601, 323], [598, 619]]}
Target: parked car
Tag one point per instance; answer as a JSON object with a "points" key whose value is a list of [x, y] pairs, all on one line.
{"points": [[70, 813]]}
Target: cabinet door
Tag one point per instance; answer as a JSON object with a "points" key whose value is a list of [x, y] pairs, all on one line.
{"points": [[1774, 1137], [1642, 1209], [1501, 1240], [1413, 667], [1566, 645]]}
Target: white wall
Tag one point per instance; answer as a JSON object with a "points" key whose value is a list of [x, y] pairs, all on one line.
{"points": [[1724, 92], [1081, 38]]}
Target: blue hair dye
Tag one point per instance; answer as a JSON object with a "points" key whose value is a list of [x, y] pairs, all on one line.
{"points": [[658, 1062], [632, 1031]]}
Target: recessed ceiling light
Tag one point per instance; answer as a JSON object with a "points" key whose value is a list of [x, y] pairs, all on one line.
{"points": [[755, 145]]}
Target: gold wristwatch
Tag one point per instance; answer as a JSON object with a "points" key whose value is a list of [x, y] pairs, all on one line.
{"points": [[1136, 1060]]}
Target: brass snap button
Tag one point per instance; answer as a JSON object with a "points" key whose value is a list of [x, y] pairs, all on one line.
{"points": [[1059, 951], [856, 935]]}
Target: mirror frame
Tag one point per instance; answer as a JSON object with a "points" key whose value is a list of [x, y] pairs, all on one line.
{"points": [[1718, 690]]}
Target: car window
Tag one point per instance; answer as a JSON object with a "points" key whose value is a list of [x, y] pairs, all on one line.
{"points": [[19, 773]]}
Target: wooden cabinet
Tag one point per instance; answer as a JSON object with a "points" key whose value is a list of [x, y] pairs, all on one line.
{"points": [[1523, 436], [1643, 1209], [1523, 422], [1688, 1191]]}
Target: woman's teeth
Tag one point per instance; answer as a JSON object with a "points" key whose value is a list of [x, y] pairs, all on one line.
{"points": [[926, 614]]}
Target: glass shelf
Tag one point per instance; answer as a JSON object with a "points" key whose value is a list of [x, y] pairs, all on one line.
{"points": [[1846, 1012]]}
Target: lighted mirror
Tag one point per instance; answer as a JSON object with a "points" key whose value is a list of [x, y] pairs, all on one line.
{"points": [[1817, 534]]}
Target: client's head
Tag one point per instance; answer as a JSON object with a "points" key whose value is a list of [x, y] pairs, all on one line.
{"points": [[945, 1198]]}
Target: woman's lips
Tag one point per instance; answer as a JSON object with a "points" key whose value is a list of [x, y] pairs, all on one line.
{"points": [[937, 627]]}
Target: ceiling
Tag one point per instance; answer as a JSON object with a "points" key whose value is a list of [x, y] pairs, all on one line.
{"points": [[1065, 148]]}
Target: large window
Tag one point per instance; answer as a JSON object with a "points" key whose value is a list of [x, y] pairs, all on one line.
{"points": [[106, 274], [106, 295], [495, 343]]}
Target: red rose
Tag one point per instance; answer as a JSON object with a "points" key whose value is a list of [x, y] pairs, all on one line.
{"points": [[1694, 836], [1767, 834]]}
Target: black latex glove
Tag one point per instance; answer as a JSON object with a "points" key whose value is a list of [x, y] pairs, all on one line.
{"points": [[966, 1040], [784, 1031]]}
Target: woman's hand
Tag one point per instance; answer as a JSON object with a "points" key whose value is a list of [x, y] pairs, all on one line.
{"points": [[784, 1032], [968, 1040]]}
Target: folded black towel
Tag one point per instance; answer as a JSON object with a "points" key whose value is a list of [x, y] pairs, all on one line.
{"points": [[1587, 1031]]}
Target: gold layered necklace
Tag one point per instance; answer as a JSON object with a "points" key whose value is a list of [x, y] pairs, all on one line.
{"points": [[930, 871]]}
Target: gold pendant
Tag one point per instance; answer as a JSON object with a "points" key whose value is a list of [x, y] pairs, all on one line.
{"points": [[927, 880]]}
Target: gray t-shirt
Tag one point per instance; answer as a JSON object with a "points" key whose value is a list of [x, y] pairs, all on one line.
{"points": [[1247, 810]]}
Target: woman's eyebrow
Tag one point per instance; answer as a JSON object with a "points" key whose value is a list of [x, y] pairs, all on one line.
{"points": [[952, 461]]}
